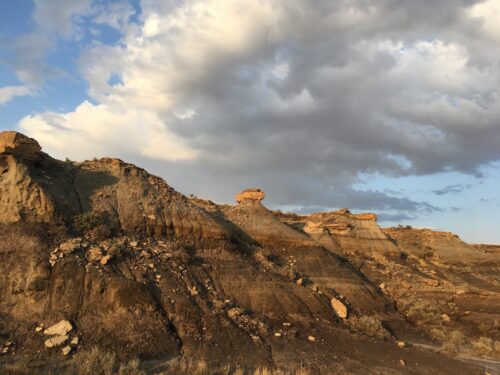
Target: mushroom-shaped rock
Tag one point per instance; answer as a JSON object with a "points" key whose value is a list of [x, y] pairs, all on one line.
{"points": [[250, 195], [15, 143]]}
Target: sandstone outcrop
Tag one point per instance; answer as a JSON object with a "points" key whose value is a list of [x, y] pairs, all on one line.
{"points": [[15, 143], [250, 195]]}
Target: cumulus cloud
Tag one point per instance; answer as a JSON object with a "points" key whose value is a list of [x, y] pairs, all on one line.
{"points": [[299, 96], [94, 130]]}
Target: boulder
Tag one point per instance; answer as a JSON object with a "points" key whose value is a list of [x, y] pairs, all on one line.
{"points": [[15, 143], [56, 341], [250, 195], [59, 329], [339, 307]]}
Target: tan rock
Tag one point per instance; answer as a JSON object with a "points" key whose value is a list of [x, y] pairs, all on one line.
{"points": [[66, 350], [56, 341], [75, 340], [105, 259], [15, 143], [311, 338], [38, 329], [94, 254], [70, 246], [431, 282], [445, 317], [250, 195], [339, 307], [60, 329], [382, 286], [401, 344], [300, 281]]}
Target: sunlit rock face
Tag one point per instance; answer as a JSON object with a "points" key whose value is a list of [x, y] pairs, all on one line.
{"points": [[12, 142], [250, 196]]}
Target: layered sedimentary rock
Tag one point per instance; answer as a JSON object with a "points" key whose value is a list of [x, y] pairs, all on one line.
{"points": [[136, 267], [12, 142], [250, 196]]}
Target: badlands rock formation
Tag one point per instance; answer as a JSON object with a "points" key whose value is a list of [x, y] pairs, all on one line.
{"points": [[103, 253], [250, 196]]}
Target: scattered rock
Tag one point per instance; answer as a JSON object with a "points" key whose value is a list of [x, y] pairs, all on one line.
{"points": [[460, 292], [401, 344], [402, 362], [59, 329], [38, 329], [311, 338], [382, 286], [66, 350], [431, 282], [339, 307], [445, 317], [105, 259], [94, 254], [56, 341], [277, 334], [300, 281]]}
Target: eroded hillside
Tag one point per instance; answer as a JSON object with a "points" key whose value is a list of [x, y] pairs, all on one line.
{"points": [[123, 261]]}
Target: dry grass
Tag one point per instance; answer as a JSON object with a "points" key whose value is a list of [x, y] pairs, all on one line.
{"points": [[100, 362], [454, 343], [15, 239], [184, 367]]}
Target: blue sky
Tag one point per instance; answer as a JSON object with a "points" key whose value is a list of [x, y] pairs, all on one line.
{"points": [[384, 106]]}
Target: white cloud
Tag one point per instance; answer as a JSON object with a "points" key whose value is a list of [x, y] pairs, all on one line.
{"points": [[98, 130], [7, 93], [488, 14]]}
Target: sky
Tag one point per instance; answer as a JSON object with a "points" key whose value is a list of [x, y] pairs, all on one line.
{"points": [[388, 106]]}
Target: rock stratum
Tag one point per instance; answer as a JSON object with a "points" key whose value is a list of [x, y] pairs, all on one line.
{"points": [[101, 253]]}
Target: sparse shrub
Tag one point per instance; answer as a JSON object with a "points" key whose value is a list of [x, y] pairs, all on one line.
{"points": [[423, 313], [483, 346], [370, 326], [454, 342], [95, 362], [90, 220]]}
